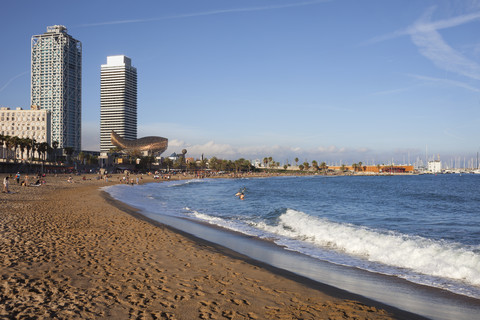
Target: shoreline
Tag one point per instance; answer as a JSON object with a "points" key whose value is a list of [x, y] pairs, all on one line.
{"points": [[67, 252], [386, 290], [322, 287]]}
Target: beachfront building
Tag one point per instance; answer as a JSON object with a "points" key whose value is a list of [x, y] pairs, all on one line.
{"points": [[56, 83], [34, 124], [118, 101], [434, 166]]}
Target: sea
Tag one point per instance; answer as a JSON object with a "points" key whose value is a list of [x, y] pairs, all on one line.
{"points": [[422, 230]]}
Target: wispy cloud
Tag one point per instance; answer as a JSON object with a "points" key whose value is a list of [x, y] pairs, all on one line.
{"points": [[11, 80], [424, 34], [392, 91], [431, 45], [428, 25], [446, 82], [207, 13], [450, 134]]}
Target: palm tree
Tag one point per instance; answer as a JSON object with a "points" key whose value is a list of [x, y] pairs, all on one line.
{"points": [[42, 149], [192, 165], [22, 144], [28, 146], [12, 144], [296, 161], [360, 166], [306, 165], [203, 163], [3, 141], [300, 167], [35, 145], [55, 146], [343, 168], [324, 167], [81, 156], [315, 164], [68, 152], [242, 165], [214, 163], [354, 166], [168, 163], [92, 159], [49, 152], [265, 162]]}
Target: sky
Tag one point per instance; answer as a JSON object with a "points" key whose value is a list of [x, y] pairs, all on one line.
{"points": [[340, 81]]}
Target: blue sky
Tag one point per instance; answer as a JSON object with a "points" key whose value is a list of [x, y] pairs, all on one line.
{"points": [[340, 80]]}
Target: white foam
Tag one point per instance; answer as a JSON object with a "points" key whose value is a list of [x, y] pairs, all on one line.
{"points": [[183, 182], [424, 256], [217, 221]]}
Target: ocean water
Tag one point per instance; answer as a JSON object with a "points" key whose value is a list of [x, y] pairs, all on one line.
{"points": [[425, 229]]}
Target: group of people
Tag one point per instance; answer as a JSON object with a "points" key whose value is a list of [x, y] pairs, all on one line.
{"points": [[130, 180], [24, 183]]}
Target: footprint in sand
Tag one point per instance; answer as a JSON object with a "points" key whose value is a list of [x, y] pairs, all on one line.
{"points": [[167, 304], [165, 289], [229, 314], [252, 315], [240, 302], [208, 309]]}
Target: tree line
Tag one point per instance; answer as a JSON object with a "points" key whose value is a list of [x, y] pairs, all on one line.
{"points": [[28, 147], [239, 165]]}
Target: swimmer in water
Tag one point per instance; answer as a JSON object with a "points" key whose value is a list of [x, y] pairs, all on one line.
{"points": [[241, 194]]}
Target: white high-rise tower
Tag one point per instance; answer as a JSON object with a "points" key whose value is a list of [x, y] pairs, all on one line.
{"points": [[57, 83], [118, 100]]}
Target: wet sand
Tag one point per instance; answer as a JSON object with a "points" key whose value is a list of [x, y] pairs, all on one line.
{"points": [[69, 252]]}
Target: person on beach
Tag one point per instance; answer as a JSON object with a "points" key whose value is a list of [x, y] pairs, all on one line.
{"points": [[17, 177], [5, 185]]}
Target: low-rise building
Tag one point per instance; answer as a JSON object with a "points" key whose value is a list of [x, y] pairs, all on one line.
{"points": [[34, 123], [435, 166]]}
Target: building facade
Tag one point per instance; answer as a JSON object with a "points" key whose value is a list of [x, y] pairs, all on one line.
{"points": [[118, 100], [34, 124], [435, 166], [56, 83]]}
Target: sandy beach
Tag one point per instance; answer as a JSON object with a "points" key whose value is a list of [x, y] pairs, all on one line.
{"points": [[68, 251]]}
